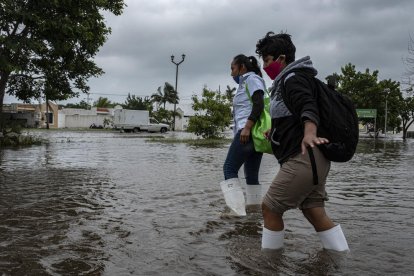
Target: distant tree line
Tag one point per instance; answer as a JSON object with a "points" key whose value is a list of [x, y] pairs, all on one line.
{"points": [[159, 99], [367, 92]]}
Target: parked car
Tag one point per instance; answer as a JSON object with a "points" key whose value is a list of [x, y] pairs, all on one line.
{"points": [[155, 126]]}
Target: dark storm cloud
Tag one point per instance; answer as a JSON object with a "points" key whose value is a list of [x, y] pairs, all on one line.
{"points": [[136, 58], [369, 34]]}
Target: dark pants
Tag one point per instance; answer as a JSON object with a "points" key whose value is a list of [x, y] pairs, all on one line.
{"points": [[240, 154]]}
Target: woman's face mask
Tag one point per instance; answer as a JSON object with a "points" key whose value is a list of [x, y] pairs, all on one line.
{"points": [[235, 72]]}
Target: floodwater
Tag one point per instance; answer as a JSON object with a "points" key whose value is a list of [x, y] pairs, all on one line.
{"points": [[106, 203]]}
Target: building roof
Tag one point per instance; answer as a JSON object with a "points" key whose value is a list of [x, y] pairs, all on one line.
{"points": [[102, 110]]}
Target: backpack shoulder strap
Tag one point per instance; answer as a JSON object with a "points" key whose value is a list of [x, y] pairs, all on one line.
{"points": [[283, 90], [312, 81], [288, 105]]}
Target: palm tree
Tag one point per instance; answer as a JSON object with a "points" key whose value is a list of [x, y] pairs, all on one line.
{"points": [[158, 97], [230, 93], [167, 95], [170, 95], [102, 102]]}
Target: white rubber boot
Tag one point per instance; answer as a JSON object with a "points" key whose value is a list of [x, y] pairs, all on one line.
{"points": [[254, 195], [272, 239], [233, 195], [334, 239]]}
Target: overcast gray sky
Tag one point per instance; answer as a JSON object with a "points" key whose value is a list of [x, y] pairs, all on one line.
{"points": [[136, 59]]}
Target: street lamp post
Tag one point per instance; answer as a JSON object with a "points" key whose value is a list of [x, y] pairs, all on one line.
{"points": [[176, 80], [386, 91]]}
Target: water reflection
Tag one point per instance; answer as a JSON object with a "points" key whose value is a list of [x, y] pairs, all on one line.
{"points": [[45, 221], [105, 203]]}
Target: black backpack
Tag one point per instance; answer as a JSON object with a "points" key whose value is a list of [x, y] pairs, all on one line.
{"points": [[338, 122]]}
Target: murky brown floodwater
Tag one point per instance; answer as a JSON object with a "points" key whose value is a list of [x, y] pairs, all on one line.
{"points": [[103, 203]]}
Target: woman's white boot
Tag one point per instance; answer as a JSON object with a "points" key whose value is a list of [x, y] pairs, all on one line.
{"points": [[334, 239], [233, 195], [272, 239], [254, 195]]}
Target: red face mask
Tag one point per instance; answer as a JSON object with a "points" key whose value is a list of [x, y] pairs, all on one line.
{"points": [[273, 69]]}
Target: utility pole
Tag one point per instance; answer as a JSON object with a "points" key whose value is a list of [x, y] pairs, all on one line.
{"points": [[47, 113], [87, 100], [386, 91], [176, 81]]}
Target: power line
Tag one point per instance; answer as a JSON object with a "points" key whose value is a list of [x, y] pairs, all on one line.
{"points": [[123, 95]]}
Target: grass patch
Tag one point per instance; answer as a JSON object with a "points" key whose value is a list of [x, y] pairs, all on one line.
{"points": [[11, 136], [143, 137], [192, 142], [72, 129], [21, 141]]}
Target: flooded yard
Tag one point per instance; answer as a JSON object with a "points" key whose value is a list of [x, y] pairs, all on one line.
{"points": [[109, 203]]}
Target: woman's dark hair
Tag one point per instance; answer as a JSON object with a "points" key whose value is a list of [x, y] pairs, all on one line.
{"points": [[276, 45], [251, 63]]}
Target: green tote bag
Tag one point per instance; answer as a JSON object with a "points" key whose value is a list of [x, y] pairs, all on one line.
{"points": [[261, 144]]}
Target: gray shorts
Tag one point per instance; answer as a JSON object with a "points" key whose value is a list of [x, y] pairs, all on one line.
{"points": [[293, 186]]}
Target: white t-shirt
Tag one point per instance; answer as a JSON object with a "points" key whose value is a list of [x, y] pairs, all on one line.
{"points": [[242, 106]]}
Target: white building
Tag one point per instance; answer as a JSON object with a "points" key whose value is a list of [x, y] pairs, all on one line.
{"points": [[83, 118], [186, 111]]}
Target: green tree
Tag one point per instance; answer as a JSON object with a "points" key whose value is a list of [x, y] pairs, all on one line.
{"points": [[407, 104], [391, 93], [213, 114], [82, 105], [407, 114], [230, 93], [361, 87], [367, 92], [163, 115], [138, 103], [47, 47]]}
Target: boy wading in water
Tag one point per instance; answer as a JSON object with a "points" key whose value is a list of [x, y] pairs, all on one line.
{"points": [[294, 142]]}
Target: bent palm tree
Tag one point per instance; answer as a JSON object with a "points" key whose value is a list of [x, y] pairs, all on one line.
{"points": [[166, 95], [230, 93], [158, 97], [170, 95]]}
